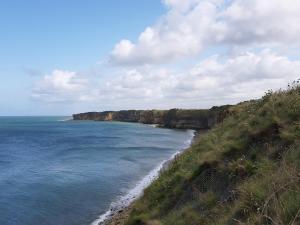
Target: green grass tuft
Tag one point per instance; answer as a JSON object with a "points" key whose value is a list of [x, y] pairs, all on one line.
{"points": [[246, 170]]}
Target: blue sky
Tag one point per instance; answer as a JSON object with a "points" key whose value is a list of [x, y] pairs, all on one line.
{"points": [[45, 34], [64, 57], [38, 36]]}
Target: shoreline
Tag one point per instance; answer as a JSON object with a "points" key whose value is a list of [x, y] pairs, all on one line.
{"points": [[119, 210]]}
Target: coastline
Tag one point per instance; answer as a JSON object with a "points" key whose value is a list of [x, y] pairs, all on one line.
{"points": [[120, 210]]}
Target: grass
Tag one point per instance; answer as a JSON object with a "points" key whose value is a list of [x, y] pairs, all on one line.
{"points": [[244, 171]]}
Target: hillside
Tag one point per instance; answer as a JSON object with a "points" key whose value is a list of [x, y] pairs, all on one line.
{"points": [[246, 170], [173, 118]]}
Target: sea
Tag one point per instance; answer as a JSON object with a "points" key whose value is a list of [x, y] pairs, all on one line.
{"points": [[56, 171]]}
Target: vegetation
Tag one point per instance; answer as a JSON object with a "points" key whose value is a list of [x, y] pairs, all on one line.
{"points": [[245, 171]]}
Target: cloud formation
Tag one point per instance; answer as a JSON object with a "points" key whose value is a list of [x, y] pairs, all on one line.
{"points": [[189, 27], [60, 86], [148, 74], [213, 81]]}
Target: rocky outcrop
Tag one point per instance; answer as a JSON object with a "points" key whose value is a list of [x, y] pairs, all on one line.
{"points": [[173, 118]]}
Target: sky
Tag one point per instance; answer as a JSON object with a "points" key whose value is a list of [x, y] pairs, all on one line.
{"points": [[62, 57]]}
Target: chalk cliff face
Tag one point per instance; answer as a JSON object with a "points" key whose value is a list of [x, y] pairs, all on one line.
{"points": [[173, 118]]}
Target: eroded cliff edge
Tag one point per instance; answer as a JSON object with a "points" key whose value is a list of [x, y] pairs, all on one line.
{"points": [[173, 118]]}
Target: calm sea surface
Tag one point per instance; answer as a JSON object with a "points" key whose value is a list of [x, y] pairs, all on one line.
{"points": [[56, 172]]}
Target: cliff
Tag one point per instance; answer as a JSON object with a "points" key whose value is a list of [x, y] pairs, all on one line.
{"points": [[173, 118], [245, 171]]}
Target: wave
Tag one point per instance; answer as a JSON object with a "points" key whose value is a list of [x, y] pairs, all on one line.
{"points": [[137, 191], [64, 120], [153, 125]]}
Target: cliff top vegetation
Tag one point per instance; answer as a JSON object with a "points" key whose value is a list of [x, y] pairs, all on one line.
{"points": [[246, 170]]}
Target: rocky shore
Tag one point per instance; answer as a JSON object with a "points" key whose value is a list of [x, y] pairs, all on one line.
{"points": [[119, 217]]}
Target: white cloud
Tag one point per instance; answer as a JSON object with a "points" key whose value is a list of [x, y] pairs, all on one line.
{"points": [[211, 82], [60, 86], [136, 84], [180, 5], [176, 34], [262, 22], [241, 77], [191, 26]]}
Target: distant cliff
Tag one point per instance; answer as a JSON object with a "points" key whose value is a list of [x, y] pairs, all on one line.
{"points": [[173, 118]]}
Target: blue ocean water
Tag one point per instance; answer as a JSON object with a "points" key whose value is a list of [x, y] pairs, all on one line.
{"points": [[56, 172]]}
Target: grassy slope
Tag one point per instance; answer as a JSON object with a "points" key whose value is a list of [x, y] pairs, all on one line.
{"points": [[244, 171]]}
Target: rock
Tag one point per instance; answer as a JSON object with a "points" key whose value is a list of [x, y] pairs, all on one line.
{"points": [[173, 118]]}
